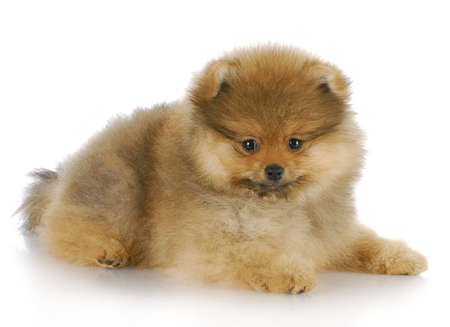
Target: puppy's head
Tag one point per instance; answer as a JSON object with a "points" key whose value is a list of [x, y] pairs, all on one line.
{"points": [[272, 121]]}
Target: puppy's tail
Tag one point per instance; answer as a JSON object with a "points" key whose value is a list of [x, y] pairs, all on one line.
{"points": [[37, 198]]}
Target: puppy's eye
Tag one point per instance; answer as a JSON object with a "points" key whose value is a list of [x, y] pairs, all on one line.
{"points": [[250, 145], [295, 144]]}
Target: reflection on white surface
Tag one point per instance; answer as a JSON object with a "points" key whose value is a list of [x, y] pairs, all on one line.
{"points": [[48, 291]]}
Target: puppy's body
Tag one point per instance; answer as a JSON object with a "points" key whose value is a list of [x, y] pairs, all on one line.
{"points": [[172, 187]]}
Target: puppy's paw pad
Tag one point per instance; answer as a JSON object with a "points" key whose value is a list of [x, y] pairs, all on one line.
{"points": [[114, 256], [296, 290], [115, 262]]}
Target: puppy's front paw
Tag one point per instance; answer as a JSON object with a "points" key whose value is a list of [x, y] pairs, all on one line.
{"points": [[398, 259], [281, 282]]}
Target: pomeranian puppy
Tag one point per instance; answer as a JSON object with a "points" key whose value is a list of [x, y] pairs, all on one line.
{"points": [[247, 182]]}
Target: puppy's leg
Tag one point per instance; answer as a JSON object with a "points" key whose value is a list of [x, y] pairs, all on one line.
{"points": [[277, 279], [85, 239], [373, 254], [267, 269], [94, 213]]}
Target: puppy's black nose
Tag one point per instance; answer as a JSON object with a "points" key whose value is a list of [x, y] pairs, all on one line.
{"points": [[274, 172]]}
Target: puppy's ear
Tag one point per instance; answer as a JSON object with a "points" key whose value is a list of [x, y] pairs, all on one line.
{"points": [[212, 81], [330, 79]]}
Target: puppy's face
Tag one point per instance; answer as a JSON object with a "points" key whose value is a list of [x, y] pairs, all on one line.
{"points": [[273, 121]]}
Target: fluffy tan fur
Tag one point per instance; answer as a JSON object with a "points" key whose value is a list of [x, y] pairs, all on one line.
{"points": [[172, 188]]}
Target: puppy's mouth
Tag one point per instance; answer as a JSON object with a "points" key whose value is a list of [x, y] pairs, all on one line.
{"points": [[268, 186], [271, 186]]}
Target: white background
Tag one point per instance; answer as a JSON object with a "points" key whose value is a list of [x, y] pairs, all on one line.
{"points": [[68, 67]]}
